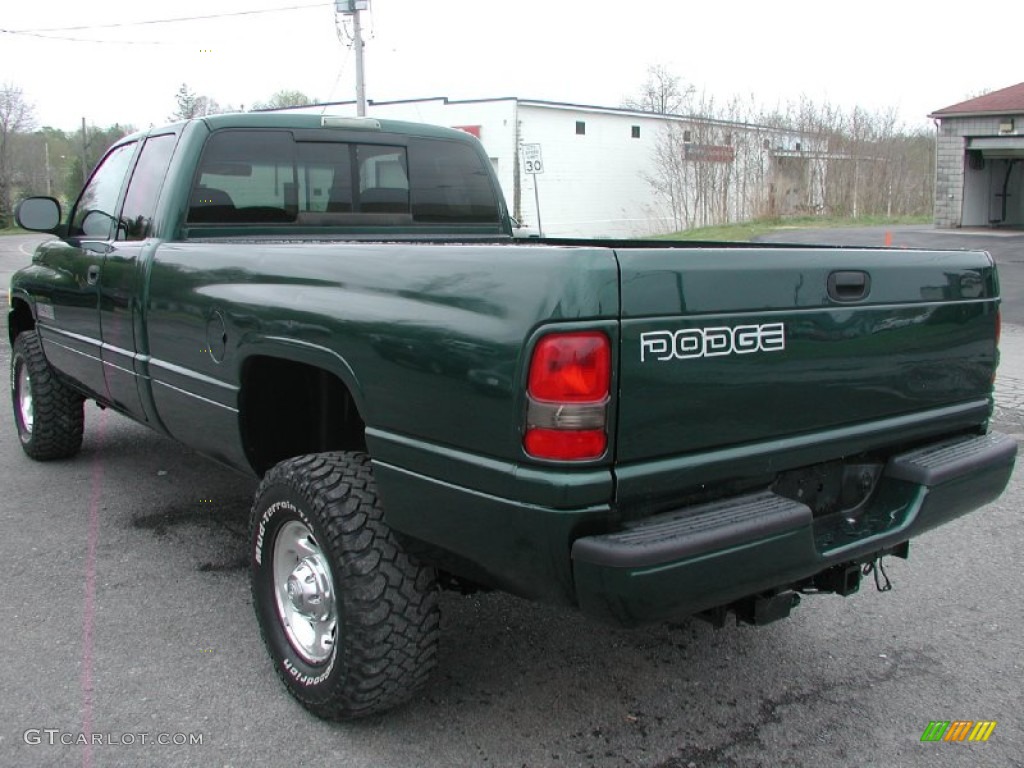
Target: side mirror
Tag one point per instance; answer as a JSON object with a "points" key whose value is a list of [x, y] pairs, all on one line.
{"points": [[38, 214]]}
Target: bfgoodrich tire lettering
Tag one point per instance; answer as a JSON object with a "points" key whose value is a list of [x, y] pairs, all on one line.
{"points": [[47, 412], [350, 620]]}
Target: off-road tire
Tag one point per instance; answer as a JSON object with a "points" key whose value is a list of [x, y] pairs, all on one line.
{"points": [[57, 418], [388, 621]]}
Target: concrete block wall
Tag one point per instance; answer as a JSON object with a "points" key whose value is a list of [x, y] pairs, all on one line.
{"points": [[949, 180], [950, 146]]}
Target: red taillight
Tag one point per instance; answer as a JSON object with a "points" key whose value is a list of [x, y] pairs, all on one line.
{"points": [[568, 391], [571, 368], [567, 445]]}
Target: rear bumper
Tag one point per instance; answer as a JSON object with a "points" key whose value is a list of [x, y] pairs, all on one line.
{"points": [[697, 558]]}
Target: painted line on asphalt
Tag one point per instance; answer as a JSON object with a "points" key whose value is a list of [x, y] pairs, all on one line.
{"points": [[89, 607]]}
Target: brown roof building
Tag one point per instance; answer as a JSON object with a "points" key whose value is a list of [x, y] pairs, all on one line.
{"points": [[995, 103], [979, 161]]}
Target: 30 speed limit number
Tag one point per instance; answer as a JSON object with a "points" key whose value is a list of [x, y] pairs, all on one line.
{"points": [[532, 161]]}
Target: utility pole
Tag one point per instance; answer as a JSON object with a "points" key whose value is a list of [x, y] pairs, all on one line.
{"points": [[856, 183], [46, 155], [360, 81], [85, 164], [352, 8]]}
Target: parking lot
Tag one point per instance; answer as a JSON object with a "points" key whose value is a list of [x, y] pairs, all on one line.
{"points": [[127, 615]]}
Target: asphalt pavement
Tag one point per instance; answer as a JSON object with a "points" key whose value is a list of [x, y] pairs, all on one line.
{"points": [[127, 615]]}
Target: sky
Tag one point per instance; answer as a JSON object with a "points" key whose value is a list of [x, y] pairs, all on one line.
{"points": [[895, 54]]}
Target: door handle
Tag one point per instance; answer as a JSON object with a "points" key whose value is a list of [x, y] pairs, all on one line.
{"points": [[98, 247], [92, 275], [847, 286]]}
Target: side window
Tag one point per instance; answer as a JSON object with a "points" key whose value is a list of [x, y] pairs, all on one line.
{"points": [[325, 176], [144, 188], [450, 183], [383, 179], [248, 177], [96, 210]]}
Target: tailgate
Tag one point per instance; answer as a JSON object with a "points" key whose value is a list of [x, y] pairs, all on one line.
{"points": [[730, 346]]}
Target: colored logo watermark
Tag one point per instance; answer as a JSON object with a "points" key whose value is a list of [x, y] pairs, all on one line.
{"points": [[958, 730]]}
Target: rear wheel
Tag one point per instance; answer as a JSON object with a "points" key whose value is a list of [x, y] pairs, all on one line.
{"points": [[350, 620], [47, 412]]}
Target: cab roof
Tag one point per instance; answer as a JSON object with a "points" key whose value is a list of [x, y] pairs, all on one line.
{"points": [[306, 121]]}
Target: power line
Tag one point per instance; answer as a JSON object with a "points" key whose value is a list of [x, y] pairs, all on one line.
{"points": [[62, 38], [334, 88], [165, 21]]}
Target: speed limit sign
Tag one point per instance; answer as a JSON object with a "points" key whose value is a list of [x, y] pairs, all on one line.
{"points": [[532, 162]]}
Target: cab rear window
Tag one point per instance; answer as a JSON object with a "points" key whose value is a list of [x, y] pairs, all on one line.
{"points": [[268, 177]]}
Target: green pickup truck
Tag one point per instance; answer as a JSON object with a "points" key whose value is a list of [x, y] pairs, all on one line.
{"points": [[641, 430]]}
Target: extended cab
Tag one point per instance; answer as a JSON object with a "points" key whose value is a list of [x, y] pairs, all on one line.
{"points": [[638, 429]]}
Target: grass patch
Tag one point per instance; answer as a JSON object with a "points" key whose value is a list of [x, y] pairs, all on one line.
{"points": [[13, 231], [744, 232]]}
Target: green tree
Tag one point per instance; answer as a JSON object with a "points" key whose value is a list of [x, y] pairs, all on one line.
{"points": [[16, 118], [187, 104], [97, 142], [190, 104], [283, 99]]}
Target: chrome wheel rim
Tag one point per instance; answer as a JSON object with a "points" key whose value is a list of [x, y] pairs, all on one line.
{"points": [[304, 592], [23, 396]]}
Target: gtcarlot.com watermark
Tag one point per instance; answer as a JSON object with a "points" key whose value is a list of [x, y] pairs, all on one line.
{"points": [[54, 736]]}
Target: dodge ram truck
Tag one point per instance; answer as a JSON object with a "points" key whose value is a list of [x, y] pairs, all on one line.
{"points": [[640, 430]]}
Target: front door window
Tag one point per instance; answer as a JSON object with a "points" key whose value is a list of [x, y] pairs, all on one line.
{"points": [[96, 210]]}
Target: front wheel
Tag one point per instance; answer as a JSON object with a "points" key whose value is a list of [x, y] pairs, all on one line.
{"points": [[350, 620], [47, 412]]}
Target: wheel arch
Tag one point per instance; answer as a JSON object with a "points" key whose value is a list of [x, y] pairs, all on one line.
{"points": [[295, 399], [20, 318]]}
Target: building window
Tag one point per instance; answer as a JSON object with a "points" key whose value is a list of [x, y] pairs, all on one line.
{"points": [[581, 128], [766, 144], [798, 145], [687, 136], [636, 131]]}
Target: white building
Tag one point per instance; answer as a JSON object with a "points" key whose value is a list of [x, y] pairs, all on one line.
{"points": [[604, 171]]}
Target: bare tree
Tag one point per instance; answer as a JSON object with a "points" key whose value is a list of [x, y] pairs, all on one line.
{"points": [[712, 167], [16, 117], [669, 180], [871, 166], [733, 161], [661, 93]]}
